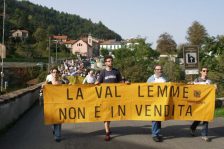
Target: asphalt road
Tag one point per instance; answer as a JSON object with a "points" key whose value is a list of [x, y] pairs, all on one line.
{"points": [[30, 133]]}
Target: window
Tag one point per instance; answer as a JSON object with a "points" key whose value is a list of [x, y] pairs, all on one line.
{"points": [[79, 44]]}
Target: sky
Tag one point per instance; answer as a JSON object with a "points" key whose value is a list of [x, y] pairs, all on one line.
{"points": [[147, 18]]}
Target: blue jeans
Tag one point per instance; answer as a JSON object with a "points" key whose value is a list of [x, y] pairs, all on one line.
{"points": [[156, 127], [57, 131], [204, 131]]}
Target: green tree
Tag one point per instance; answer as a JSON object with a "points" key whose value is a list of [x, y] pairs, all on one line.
{"points": [[40, 36], [196, 34], [211, 56], [166, 44], [172, 71], [136, 64], [104, 52]]}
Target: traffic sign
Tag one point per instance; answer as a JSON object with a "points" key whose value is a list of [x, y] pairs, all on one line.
{"points": [[191, 59]]}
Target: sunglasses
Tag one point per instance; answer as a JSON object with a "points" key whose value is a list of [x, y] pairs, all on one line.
{"points": [[108, 61], [204, 70]]}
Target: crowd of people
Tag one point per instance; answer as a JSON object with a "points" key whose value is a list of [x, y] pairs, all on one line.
{"points": [[112, 75]]}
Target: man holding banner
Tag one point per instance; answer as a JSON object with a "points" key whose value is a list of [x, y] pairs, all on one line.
{"points": [[203, 79], [109, 75], [156, 125]]}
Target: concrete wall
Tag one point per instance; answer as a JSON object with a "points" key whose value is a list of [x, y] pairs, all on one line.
{"points": [[14, 104]]}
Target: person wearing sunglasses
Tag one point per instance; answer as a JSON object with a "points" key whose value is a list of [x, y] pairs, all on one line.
{"points": [[203, 79], [156, 125]]}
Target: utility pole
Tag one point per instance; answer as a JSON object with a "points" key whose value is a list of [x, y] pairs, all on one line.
{"points": [[3, 42], [49, 53], [56, 56]]}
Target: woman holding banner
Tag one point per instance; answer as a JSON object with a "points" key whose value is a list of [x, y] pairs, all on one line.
{"points": [[90, 78], [55, 81]]}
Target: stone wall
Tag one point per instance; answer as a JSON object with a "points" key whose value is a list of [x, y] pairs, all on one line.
{"points": [[14, 104]]}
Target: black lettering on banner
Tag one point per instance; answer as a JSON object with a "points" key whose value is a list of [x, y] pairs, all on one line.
{"points": [[189, 110], [147, 109], [167, 110], [72, 113], [116, 95], [81, 113], [181, 107], [97, 111], [156, 110], [62, 114], [162, 92], [149, 90], [112, 111], [68, 98], [120, 110], [79, 93], [139, 88], [99, 93], [174, 93], [137, 110], [173, 110], [185, 93], [108, 92]]}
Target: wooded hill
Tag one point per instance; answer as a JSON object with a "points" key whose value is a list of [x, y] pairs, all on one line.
{"points": [[29, 16]]}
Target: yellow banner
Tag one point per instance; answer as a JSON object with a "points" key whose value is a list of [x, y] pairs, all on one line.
{"points": [[137, 101]]}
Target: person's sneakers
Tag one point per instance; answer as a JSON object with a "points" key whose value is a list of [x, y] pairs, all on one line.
{"points": [[107, 137], [157, 139], [192, 131], [205, 138]]}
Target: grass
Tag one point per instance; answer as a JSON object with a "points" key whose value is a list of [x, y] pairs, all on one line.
{"points": [[219, 112]]}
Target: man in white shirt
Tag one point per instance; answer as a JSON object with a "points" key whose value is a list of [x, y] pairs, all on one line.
{"points": [[156, 125]]}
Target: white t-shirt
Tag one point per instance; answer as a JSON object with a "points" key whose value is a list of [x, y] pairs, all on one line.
{"points": [[202, 81], [49, 78], [159, 79], [89, 79]]}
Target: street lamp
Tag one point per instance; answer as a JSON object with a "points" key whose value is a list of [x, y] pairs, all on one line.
{"points": [[56, 50], [3, 42], [49, 53]]}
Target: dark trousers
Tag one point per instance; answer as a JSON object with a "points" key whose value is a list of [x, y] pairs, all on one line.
{"points": [[204, 131]]}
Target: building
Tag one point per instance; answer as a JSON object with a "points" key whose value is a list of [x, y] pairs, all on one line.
{"points": [[69, 43], [171, 57], [20, 33], [111, 45], [59, 38], [85, 46], [130, 43]]}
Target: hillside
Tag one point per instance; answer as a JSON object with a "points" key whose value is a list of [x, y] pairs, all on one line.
{"points": [[29, 16]]}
